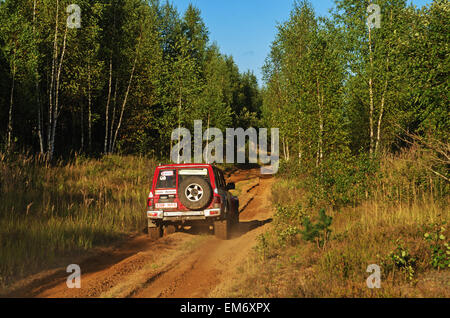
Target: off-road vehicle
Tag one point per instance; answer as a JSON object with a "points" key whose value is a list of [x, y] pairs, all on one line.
{"points": [[190, 194]]}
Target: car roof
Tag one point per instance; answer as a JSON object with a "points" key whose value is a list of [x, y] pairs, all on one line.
{"points": [[186, 165]]}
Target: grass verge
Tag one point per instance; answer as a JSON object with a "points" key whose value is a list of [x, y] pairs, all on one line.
{"points": [[48, 212], [401, 225]]}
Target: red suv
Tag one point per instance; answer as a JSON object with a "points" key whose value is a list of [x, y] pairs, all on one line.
{"points": [[189, 194]]}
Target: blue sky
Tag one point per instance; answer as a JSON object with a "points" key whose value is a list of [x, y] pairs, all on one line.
{"points": [[245, 29]]}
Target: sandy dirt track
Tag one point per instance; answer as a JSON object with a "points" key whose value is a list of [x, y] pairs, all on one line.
{"points": [[190, 264]]}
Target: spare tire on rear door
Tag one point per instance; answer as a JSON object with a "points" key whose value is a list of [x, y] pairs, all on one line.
{"points": [[195, 193]]}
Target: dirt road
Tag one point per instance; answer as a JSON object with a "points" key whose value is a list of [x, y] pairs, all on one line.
{"points": [[189, 264]]}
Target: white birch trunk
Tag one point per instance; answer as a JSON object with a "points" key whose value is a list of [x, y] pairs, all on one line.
{"points": [[56, 110], [11, 103], [126, 94], [105, 146], [89, 110], [52, 81], [371, 106]]}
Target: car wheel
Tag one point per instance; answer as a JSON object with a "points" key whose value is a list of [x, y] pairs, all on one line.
{"points": [[221, 229], [169, 229], [195, 193], [154, 233]]}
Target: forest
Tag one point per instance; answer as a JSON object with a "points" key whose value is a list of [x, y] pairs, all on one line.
{"points": [[337, 88], [121, 82], [361, 103], [135, 70]]}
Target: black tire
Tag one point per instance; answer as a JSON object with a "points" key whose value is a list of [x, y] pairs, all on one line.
{"points": [[221, 229], [169, 229], [236, 218], [154, 233], [189, 187]]}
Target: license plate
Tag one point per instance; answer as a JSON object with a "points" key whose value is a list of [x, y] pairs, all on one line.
{"points": [[166, 205], [166, 192]]}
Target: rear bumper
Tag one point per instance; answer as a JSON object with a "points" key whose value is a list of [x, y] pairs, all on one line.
{"points": [[183, 216]]}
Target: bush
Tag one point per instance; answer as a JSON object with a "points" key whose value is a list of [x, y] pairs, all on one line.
{"points": [[343, 182], [401, 259], [318, 232], [289, 219], [439, 246]]}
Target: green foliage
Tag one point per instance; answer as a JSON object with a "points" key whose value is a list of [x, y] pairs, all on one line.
{"points": [[293, 222], [262, 245], [133, 72], [439, 246], [337, 89], [303, 96], [318, 232], [338, 181], [400, 258], [287, 220], [289, 214], [288, 235], [344, 182]]}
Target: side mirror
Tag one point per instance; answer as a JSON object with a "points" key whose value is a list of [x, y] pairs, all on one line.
{"points": [[231, 186]]}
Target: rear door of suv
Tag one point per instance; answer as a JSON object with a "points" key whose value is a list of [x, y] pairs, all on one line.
{"points": [[166, 189]]}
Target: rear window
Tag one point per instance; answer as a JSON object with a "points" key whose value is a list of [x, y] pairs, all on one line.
{"points": [[219, 179], [166, 179], [186, 173]]}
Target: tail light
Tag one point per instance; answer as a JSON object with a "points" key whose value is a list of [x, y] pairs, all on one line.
{"points": [[150, 203], [150, 200], [217, 202]]}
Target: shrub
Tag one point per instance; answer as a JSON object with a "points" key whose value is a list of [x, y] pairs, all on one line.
{"points": [[439, 246], [318, 232], [343, 182], [401, 259]]}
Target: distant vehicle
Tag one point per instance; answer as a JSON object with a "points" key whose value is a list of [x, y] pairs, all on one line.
{"points": [[190, 194]]}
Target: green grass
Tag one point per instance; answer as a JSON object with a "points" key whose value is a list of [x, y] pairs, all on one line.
{"points": [[48, 212], [404, 203]]}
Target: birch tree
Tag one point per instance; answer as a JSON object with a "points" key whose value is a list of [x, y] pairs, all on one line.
{"points": [[16, 35]]}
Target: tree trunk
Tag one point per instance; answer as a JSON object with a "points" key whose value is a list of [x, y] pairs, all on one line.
{"points": [[108, 137], [89, 110], [320, 141], [82, 127], [40, 121], [371, 111], [38, 102], [126, 94], [380, 118], [287, 150], [11, 103], [56, 110], [113, 118], [52, 81], [299, 145], [105, 146], [321, 128], [382, 104]]}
